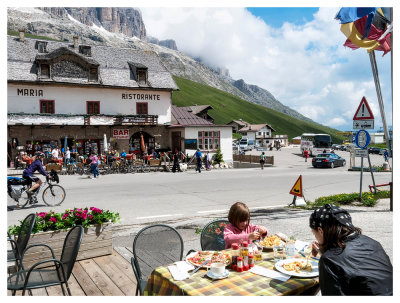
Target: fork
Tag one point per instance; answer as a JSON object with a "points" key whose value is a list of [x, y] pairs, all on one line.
{"points": [[201, 265]]}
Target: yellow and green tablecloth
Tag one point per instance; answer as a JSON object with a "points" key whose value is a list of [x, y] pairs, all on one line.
{"points": [[162, 283]]}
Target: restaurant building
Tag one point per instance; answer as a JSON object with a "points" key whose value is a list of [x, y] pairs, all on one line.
{"points": [[62, 93]]}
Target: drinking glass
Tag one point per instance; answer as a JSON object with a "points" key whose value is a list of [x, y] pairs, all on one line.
{"points": [[279, 252]]}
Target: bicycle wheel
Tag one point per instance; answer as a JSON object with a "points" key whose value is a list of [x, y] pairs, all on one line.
{"points": [[53, 195], [24, 200], [146, 168]]}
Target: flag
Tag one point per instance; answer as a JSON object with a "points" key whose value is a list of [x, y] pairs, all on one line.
{"points": [[351, 14], [357, 35]]}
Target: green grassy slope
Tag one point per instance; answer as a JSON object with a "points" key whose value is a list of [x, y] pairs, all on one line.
{"points": [[227, 107]]}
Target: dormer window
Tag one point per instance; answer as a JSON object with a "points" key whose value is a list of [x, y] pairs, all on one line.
{"points": [[141, 76], [44, 70], [93, 74], [85, 50], [139, 73], [41, 46]]}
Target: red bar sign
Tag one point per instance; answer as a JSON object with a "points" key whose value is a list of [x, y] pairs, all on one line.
{"points": [[121, 133]]}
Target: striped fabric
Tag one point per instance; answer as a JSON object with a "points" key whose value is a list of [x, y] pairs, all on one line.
{"points": [[161, 283]]}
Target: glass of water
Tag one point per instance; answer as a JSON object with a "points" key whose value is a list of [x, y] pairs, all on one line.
{"points": [[279, 252]]}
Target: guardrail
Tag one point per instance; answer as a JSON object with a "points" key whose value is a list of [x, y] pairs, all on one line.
{"points": [[253, 159]]}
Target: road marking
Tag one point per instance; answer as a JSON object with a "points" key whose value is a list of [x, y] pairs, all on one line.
{"points": [[159, 216], [263, 207], [212, 211]]}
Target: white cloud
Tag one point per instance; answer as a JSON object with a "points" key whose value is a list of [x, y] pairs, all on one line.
{"points": [[305, 67]]}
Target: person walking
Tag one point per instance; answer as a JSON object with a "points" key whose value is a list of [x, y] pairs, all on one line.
{"points": [[386, 155], [67, 157], [208, 161], [306, 155], [54, 153], [198, 159], [262, 160], [175, 158], [93, 165]]}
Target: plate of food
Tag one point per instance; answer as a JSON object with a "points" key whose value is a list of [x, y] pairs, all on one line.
{"points": [[296, 267], [199, 257], [270, 241]]}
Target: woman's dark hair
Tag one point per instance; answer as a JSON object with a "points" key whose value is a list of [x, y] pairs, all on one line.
{"points": [[336, 225], [335, 236], [239, 212]]}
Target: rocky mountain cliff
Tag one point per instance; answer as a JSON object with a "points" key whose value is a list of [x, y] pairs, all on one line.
{"points": [[124, 27]]}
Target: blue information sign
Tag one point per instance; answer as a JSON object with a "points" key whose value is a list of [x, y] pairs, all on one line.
{"points": [[362, 139]]}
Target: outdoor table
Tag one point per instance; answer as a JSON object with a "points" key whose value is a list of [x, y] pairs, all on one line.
{"points": [[244, 283]]}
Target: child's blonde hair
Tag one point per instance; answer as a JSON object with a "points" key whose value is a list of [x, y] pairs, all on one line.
{"points": [[239, 212]]}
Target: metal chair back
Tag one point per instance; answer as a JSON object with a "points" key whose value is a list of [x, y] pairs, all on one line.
{"points": [[154, 246], [24, 235], [70, 250], [212, 235]]}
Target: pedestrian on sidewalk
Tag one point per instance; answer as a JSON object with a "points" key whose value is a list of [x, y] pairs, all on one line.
{"points": [[198, 159], [306, 155], [262, 160], [93, 165], [351, 263], [67, 157], [386, 155], [175, 158], [208, 161]]}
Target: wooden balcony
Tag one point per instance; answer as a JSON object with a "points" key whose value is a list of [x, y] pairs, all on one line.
{"points": [[136, 120]]}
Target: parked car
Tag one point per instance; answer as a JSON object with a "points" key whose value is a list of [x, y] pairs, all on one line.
{"points": [[382, 151], [336, 146], [374, 150], [328, 160]]}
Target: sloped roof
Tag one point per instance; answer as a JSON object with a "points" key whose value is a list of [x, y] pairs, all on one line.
{"points": [[195, 109], [239, 122], [113, 64], [185, 118], [255, 127]]}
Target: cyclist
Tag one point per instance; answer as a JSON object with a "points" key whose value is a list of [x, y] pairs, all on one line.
{"points": [[28, 173]]}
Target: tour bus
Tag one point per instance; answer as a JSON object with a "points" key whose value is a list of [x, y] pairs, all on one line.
{"points": [[316, 143]]}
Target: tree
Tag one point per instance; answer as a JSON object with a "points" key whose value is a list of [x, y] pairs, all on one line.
{"points": [[218, 157]]}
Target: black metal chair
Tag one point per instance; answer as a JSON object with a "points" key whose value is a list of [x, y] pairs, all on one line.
{"points": [[49, 272], [212, 235], [154, 246], [18, 246]]}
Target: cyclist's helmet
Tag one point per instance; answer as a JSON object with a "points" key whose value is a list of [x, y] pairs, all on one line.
{"points": [[39, 155]]}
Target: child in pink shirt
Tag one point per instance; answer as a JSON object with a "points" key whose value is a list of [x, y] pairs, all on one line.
{"points": [[239, 228]]}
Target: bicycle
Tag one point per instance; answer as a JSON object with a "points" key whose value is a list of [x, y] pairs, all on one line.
{"points": [[53, 194]]}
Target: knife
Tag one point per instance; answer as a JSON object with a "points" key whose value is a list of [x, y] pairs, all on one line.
{"points": [[204, 263]]}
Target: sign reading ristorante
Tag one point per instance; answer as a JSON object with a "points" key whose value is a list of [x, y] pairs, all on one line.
{"points": [[141, 97]]}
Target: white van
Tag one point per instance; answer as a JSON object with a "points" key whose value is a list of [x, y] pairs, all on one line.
{"points": [[244, 144]]}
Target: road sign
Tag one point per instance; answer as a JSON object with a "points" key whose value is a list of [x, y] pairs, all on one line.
{"points": [[363, 124], [362, 153], [297, 188], [363, 111], [362, 139]]}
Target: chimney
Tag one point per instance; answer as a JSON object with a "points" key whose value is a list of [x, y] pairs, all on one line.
{"points": [[75, 41], [22, 34]]}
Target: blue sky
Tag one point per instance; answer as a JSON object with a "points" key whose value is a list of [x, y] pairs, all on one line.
{"points": [[296, 53]]}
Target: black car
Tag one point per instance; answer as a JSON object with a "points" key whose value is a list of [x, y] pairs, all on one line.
{"points": [[328, 160], [374, 150]]}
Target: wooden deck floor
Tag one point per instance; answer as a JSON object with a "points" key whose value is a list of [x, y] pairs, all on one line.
{"points": [[110, 275]]}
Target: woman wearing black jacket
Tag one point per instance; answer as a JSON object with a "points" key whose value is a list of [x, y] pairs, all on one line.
{"points": [[351, 263]]}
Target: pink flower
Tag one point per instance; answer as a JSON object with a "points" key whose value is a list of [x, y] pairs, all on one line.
{"points": [[52, 219], [90, 217], [65, 216], [84, 216], [218, 231], [42, 215]]}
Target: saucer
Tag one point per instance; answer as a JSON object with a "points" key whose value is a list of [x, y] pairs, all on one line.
{"points": [[214, 277]]}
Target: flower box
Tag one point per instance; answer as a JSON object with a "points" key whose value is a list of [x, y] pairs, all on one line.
{"points": [[96, 242]]}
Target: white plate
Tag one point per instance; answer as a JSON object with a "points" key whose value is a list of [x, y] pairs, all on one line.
{"points": [[212, 276], [301, 274]]}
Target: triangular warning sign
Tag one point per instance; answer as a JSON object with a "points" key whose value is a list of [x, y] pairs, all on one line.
{"points": [[363, 111], [297, 188]]}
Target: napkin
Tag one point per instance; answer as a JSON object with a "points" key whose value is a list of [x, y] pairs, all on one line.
{"points": [[184, 266], [300, 245], [177, 274], [269, 273]]}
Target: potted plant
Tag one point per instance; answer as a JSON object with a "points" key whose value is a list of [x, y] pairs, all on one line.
{"points": [[51, 228]]}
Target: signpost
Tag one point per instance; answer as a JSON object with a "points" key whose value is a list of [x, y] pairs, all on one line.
{"points": [[363, 119], [297, 191]]}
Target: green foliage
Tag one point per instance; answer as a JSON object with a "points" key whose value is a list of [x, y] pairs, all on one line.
{"points": [[367, 199], [218, 157], [236, 136], [49, 221], [227, 107], [27, 35]]}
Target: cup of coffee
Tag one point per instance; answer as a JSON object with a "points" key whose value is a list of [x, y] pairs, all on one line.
{"points": [[217, 269]]}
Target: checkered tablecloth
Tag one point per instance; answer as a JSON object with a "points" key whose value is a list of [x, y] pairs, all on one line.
{"points": [[162, 283]]}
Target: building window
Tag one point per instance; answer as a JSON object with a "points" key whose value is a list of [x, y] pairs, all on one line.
{"points": [[47, 106], [93, 107], [244, 134], [141, 75], [41, 46], [93, 76], [85, 50], [141, 108], [44, 71], [208, 140]]}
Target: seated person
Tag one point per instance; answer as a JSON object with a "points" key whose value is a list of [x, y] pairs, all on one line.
{"points": [[239, 228], [123, 154]]}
